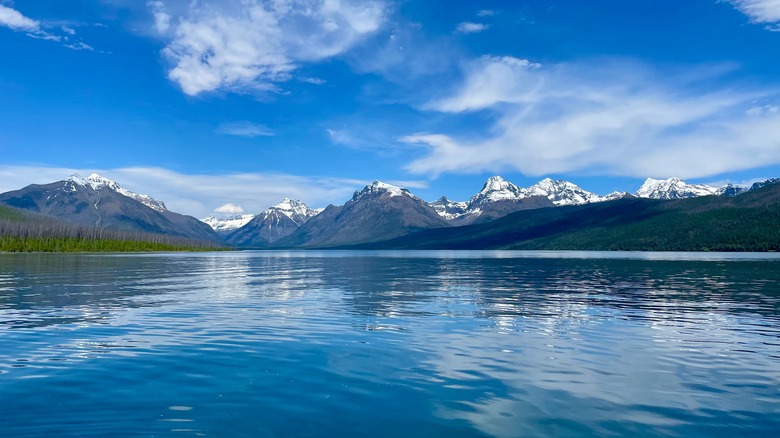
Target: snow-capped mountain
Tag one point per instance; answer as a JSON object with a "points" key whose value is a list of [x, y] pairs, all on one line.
{"points": [[562, 192], [380, 188], [294, 209], [497, 190], [449, 209], [377, 212], [229, 224], [96, 182], [99, 202], [731, 190], [617, 195], [277, 222], [673, 188], [767, 182]]}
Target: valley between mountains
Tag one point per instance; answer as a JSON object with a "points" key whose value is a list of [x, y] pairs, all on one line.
{"points": [[665, 214]]}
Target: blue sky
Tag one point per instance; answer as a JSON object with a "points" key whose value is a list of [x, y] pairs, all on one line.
{"points": [[205, 103]]}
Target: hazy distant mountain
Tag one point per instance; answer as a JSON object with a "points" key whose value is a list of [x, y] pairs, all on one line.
{"points": [[100, 202], [225, 226], [273, 224], [449, 209], [377, 212]]}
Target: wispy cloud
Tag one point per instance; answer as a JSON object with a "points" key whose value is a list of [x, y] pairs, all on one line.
{"points": [[607, 117], [80, 46], [254, 45], [341, 136], [314, 81], [16, 21], [760, 11], [469, 27], [245, 129], [198, 194], [486, 13]]}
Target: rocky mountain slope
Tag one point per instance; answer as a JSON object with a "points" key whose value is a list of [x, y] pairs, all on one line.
{"points": [[377, 212], [277, 222], [99, 202]]}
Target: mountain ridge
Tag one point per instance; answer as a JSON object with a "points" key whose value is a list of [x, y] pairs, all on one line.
{"points": [[101, 203], [747, 222]]}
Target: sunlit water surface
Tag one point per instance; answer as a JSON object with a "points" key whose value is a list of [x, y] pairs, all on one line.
{"points": [[390, 344]]}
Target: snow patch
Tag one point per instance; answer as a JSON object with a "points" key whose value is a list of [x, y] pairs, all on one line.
{"points": [[378, 187]]}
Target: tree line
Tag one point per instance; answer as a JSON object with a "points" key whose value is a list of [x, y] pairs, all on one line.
{"points": [[23, 232]]}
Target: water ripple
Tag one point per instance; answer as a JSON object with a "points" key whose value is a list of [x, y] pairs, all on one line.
{"points": [[389, 344]]}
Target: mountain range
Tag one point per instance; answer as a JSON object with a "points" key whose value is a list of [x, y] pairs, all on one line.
{"points": [[745, 222], [380, 213]]}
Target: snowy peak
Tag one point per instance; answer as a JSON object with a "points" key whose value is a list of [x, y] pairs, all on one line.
{"points": [[294, 208], [226, 225], [617, 195], [380, 188], [449, 209], [276, 222], [496, 189], [97, 182], [562, 192], [673, 188]]}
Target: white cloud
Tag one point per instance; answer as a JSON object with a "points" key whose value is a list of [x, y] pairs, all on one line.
{"points": [[68, 30], [469, 27], [162, 20], [245, 129], [486, 13], [14, 19], [229, 209], [493, 80], [759, 11], [197, 194], [606, 118], [256, 44]]}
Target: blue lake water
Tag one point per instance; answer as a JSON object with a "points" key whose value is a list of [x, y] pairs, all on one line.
{"points": [[389, 344]]}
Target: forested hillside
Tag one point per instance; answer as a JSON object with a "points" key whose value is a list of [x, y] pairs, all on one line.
{"points": [[24, 231]]}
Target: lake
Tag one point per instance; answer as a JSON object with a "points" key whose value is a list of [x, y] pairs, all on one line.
{"points": [[390, 344]]}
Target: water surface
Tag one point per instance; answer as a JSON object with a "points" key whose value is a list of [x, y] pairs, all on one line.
{"points": [[390, 344]]}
